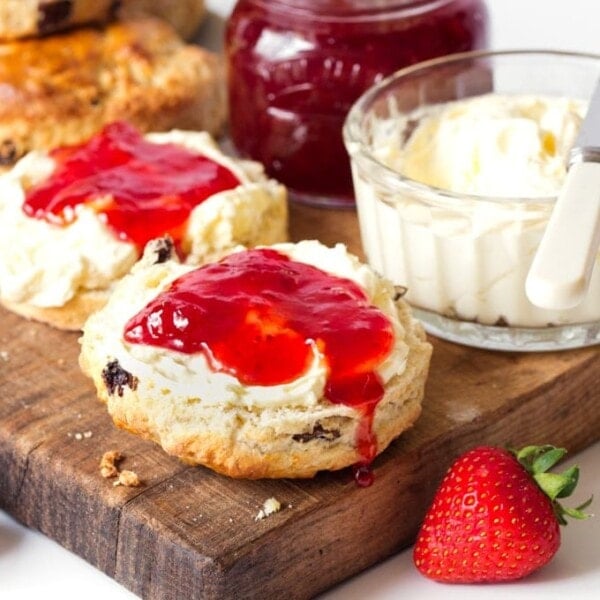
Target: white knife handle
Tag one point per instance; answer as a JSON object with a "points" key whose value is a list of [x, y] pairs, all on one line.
{"points": [[560, 273]]}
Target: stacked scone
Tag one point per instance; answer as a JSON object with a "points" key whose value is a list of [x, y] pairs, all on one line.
{"points": [[81, 81], [69, 68], [30, 18]]}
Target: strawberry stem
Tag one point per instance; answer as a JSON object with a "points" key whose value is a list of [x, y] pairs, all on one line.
{"points": [[537, 460]]}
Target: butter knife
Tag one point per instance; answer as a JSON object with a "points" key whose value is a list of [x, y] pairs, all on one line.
{"points": [[562, 267]]}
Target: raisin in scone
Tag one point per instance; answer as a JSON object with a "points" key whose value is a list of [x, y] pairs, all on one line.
{"points": [[74, 221], [61, 89], [25, 18], [277, 361]]}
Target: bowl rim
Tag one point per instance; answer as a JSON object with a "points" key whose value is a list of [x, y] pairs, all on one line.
{"points": [[355, 147]]}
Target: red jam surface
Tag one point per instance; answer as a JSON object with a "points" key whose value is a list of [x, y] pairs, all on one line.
{"points": [[254, 314], [297, 66], [140, 189]]}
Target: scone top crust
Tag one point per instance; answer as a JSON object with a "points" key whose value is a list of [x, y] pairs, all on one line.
{"points": [[21, 18], [82, 67], [206, 415], [62, 89]]}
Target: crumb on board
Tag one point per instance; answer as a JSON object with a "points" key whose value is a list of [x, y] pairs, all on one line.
{"points": [[108, 463], [109, 468], [82, 435], [4, 356], [128, 479], [270, 506]]}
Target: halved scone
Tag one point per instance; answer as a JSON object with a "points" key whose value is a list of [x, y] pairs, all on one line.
{"points": [[74, 221], [277, 361]]}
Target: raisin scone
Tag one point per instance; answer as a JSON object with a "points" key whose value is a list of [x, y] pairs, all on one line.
{"points": [[61, 89], [185, 16], [276, 361], [25, 18], [74, 221]]}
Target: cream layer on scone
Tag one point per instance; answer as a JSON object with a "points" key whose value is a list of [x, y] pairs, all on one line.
{"points": [[176, 374]]}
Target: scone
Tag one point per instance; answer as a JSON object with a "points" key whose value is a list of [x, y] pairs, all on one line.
{"points": [[276, 361], [74, 221], [184, 15], [24, 18], [61, 89]]}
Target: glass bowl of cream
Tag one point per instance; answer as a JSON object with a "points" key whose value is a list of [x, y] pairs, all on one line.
{"points": [[456, 166]]}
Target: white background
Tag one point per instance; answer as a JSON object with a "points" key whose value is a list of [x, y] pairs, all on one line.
{"points": [[32, 566]]}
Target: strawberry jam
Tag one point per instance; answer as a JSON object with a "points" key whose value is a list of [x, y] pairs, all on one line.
{"points": [[256, 315], [297, 66], [140, 189]]}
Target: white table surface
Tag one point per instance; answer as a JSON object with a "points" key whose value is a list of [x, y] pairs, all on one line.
{"points": [[32, 566]]}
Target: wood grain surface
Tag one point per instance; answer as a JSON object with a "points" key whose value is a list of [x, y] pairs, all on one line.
{"points": [[189, 533]]}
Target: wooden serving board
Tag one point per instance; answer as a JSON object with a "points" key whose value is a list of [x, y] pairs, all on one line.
{"points": [[189, 533]]}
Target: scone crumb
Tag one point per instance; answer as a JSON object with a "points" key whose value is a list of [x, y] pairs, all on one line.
{"points": [[109, 468], [108, 463], [270, 506], [4, 356], [128, 479]]}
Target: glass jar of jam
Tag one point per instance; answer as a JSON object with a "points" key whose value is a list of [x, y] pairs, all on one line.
{"points": [[295, 67]]}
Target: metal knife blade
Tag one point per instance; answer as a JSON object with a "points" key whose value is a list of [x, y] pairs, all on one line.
{"points": [[587, 143]]}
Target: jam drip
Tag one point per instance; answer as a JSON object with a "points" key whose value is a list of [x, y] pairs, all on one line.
{"points": [[141, 190], [256, 315]]}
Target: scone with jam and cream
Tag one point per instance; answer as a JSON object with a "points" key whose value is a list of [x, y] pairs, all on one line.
{"points": [[276, 361], [75, 220]]}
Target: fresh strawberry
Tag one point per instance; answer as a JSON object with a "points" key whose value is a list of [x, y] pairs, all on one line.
{"points": [[496, 516]]}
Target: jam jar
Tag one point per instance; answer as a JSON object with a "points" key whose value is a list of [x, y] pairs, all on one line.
{"points": [[295, 67]]}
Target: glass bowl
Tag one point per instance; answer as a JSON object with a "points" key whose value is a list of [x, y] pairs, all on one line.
{"points": [[463, 259]]}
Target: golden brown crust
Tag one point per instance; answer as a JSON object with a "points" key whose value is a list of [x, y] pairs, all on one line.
{"points": [[62, 89], [269, 443], [25, 18], [184, 15]]}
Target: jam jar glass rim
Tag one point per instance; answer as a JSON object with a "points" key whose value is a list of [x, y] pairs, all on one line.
{"points": [[362, 10], [359, 149]]}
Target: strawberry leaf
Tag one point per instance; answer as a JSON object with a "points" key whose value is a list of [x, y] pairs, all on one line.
{"points": [[552, 483], [548, 459], [537, 460], [573, 475], [586, 504], [575, 513], [527, 454]]}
